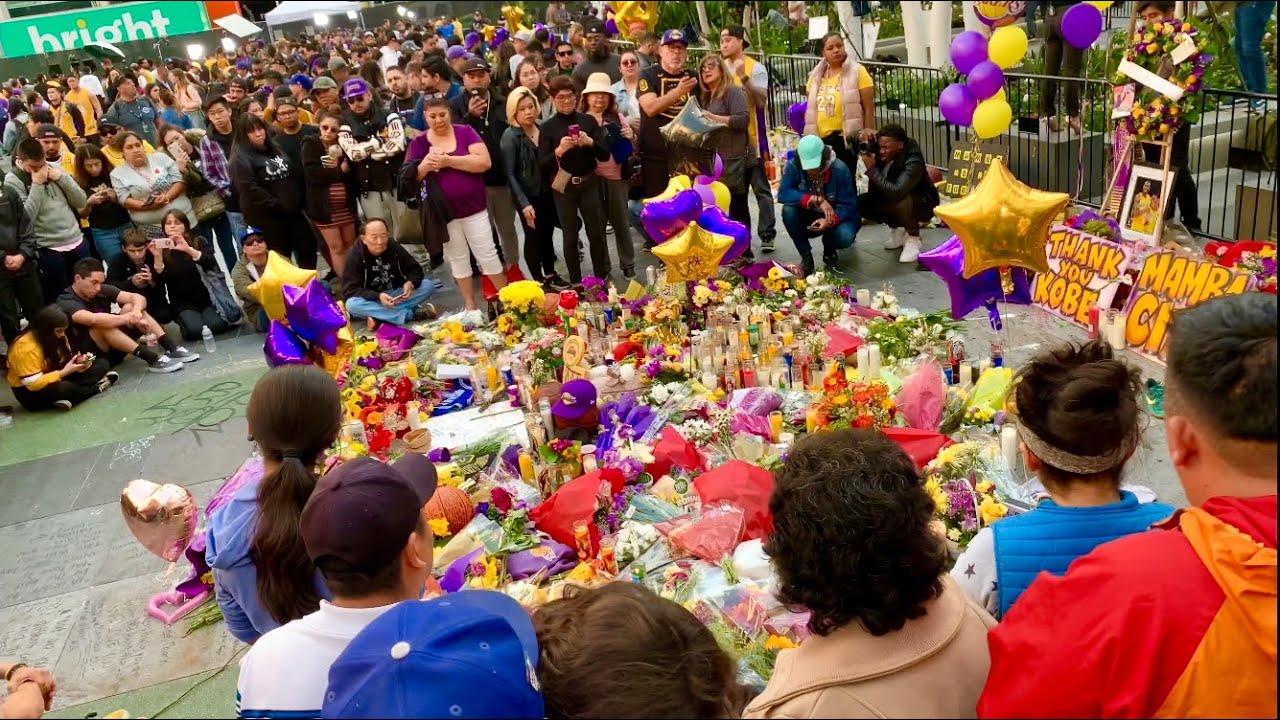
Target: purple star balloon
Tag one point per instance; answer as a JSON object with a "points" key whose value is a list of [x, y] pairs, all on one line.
{"points": [[314, 315], [947, 260], [664, 218], [283, 346], [715, 220]]}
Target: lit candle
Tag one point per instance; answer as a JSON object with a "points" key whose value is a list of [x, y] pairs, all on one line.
{"points": [[864, 297], [775, 425], [495, 381], [413, 414], [548, 423], [626, 314], [966, 374], [588, 458], [788, 337], [811, 420], [650, 276], [1009, 445], [582, 539], [526, 467], [609, 555], [874, 357], [864, 361], [1118, 338]]}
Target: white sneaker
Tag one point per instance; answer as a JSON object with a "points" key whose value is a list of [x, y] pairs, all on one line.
{"points": [[896, 239], [910, 250]]}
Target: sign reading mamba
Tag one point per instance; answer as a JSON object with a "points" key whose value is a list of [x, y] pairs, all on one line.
{"points": [[73, 29]]}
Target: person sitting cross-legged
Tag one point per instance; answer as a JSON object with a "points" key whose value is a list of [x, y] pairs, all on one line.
{"points": [[44, 371], [382, 280], [114, 335], [818, 199]]}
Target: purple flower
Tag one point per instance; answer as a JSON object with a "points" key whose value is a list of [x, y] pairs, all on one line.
{"points": [[482, 508], [1268, 267]]}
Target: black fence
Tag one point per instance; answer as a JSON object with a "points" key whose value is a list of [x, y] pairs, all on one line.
{"points": [[1233, 152]]}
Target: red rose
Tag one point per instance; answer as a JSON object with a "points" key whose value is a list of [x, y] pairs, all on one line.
{"points": [[568, 300]]}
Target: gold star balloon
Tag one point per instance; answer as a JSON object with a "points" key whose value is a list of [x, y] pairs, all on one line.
{"points": [[269, 289], [693, 253], [1003, 222]]}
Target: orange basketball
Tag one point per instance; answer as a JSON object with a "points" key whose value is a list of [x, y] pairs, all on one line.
{"points": [[451, 505]]}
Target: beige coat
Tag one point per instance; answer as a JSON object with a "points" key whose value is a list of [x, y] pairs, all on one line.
{"points": [[850, 98], [934, 667]]}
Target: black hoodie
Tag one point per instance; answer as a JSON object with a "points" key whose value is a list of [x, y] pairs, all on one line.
{"points": [[368, 275], [268, 184]]}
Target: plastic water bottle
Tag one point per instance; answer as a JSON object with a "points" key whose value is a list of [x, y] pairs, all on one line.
{"points": [[207, 335]]}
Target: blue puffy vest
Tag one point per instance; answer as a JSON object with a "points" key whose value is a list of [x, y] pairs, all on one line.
{"points": [[1051, 537]]}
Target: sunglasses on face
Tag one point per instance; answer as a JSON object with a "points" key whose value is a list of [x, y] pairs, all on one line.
{"points": [[630, 62], [564, 54], [253, 241]]}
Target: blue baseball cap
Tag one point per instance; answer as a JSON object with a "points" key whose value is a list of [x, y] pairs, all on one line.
{"points": [[302, 80], [250, 230], [810, 149], [471, 654], [675, 37]]}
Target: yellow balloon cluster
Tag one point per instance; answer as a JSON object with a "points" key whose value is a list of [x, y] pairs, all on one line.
{"points": [[1002, 222], [269, 289], [633, 17], [513, 14], [693, 254]]}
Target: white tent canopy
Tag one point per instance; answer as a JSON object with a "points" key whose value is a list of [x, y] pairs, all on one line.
{"points": [[295, 10]]}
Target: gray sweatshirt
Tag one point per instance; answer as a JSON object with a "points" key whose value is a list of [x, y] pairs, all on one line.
{"points": [[52, 207]]}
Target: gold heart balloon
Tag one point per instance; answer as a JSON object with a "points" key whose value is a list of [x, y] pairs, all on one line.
{"points": [[269, 289], [162, 517], [693, 253], [1003, 222]]}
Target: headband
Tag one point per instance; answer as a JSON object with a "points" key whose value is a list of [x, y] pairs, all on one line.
{"points": [[1077, 464]]}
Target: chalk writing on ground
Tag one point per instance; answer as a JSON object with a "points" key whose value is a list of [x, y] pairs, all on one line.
{"points": [[205, 410]]}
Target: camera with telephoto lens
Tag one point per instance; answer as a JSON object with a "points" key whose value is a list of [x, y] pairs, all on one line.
{"points": [[869, 147]]}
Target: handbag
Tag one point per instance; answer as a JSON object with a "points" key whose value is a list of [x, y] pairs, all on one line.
{"points": [[223, 303], [208, 206], [561, 181]]}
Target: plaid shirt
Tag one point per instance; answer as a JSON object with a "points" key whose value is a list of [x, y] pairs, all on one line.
{"points": [[215, 168]]}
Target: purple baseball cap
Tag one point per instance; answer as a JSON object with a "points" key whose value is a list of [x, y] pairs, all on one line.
{"points": [[454, 52], [363, 511], [354, 88], [577, 398]]}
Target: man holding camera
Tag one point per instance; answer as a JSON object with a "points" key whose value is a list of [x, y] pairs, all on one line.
{"points": [[899, 192], [483, 108]]}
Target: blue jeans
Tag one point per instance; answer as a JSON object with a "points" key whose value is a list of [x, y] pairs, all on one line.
{"points": [[1251, 22], [796, 220], [238, 227], [227, 241], [401, 314], [109, 242]]}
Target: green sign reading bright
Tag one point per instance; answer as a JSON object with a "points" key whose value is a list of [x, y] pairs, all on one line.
{"points": [[113, 24]]}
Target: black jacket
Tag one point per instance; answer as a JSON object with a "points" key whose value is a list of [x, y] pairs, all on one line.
{"points": [[17, 232], [268, 185], [524, 176], [120, 273], [375, 175], [319, 178], [580, 161], [906, 175], [491, 127], [367, 275]]}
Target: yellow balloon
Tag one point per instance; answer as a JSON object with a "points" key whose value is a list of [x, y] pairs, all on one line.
{"points": [[1007, 46], [1102, 5], [1003, 222], [633, 17], [674, 186], [992, 117], [334, 363], [269, 289], [489, 30], [693, 253], [721, 191]]}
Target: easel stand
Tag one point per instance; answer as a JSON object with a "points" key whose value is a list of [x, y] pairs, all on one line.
{"points": [[1114, 202]]}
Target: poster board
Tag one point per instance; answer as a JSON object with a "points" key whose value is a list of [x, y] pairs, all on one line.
{"points": [[1168, 281], [1083, 269], [968, 165]]}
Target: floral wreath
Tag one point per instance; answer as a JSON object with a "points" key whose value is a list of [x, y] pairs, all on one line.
{"points": [[1153, 115]]}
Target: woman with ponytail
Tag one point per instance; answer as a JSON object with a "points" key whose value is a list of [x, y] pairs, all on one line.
{"points": [[1079, 422], [262, 574]]}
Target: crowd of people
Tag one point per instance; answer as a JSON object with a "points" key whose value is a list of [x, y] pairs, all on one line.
{"points": [[359, 148], [1090, 605]]}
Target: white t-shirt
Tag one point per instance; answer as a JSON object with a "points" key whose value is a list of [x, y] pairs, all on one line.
{"points": [[287, 670], [390, 58], [92, 84]]}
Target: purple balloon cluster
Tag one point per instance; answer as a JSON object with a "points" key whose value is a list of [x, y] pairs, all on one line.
{"points": [[795, 116], [969, 56], [314, 319]]}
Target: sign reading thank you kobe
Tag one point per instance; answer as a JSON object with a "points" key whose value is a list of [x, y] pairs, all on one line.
{"points": [[74, 29]]}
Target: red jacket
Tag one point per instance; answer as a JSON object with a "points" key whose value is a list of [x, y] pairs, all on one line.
{"points": [[1175, 622]]}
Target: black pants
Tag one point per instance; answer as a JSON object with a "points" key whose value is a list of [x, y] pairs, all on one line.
{"points": [[583, 200], [539, 244], [56, 269], [192, 322], [291, 235], [1184, 183], [838, 143], [741, 212], [1062, 60], [76, 388], [654, 173], [907, 213], [20, 296]]}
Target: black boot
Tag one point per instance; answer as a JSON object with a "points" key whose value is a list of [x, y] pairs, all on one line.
{"points": [[831, 262], [806, 262]]}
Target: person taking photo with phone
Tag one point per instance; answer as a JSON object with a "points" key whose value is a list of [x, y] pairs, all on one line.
{"points": [[819, 198], [135, 270]]}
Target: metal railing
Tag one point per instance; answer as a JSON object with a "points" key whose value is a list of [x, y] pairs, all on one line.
{"points": [[1232, 148]]}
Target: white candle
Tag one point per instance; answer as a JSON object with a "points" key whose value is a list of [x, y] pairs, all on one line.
{"points": [[588, 458], [864, 361], [1116, 332], [874, 353], [650, 276], [966, 374], [548, 423], [864, 297], [413, 413], [984, 366], [1009, 445]]}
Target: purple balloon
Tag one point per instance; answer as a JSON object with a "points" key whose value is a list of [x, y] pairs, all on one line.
{"points": [[967, 50], [664, 218], [1081, 25], [986, 79], [947, 260], [713, 219], [795, 116], [611, 27], [499, 36], [313, 315], [283, 346], [957, 104]]}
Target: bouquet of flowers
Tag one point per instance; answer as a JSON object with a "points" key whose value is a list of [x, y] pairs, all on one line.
{"points": [[522, 307], [709, 292], [1155, 116], [845, 404], [1095, 224], [906, 337], [544, 355], [1248, 256], [964, 502]]}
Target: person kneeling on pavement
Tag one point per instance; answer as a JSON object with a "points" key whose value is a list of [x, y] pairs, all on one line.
{"points": [[818, 198], [115, 335], [44, 371], [899, 191], [382, 280]]}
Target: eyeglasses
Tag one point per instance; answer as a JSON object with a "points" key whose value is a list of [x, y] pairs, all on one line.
{"points": [[565, 97], [630, 62], [564, 54]]}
